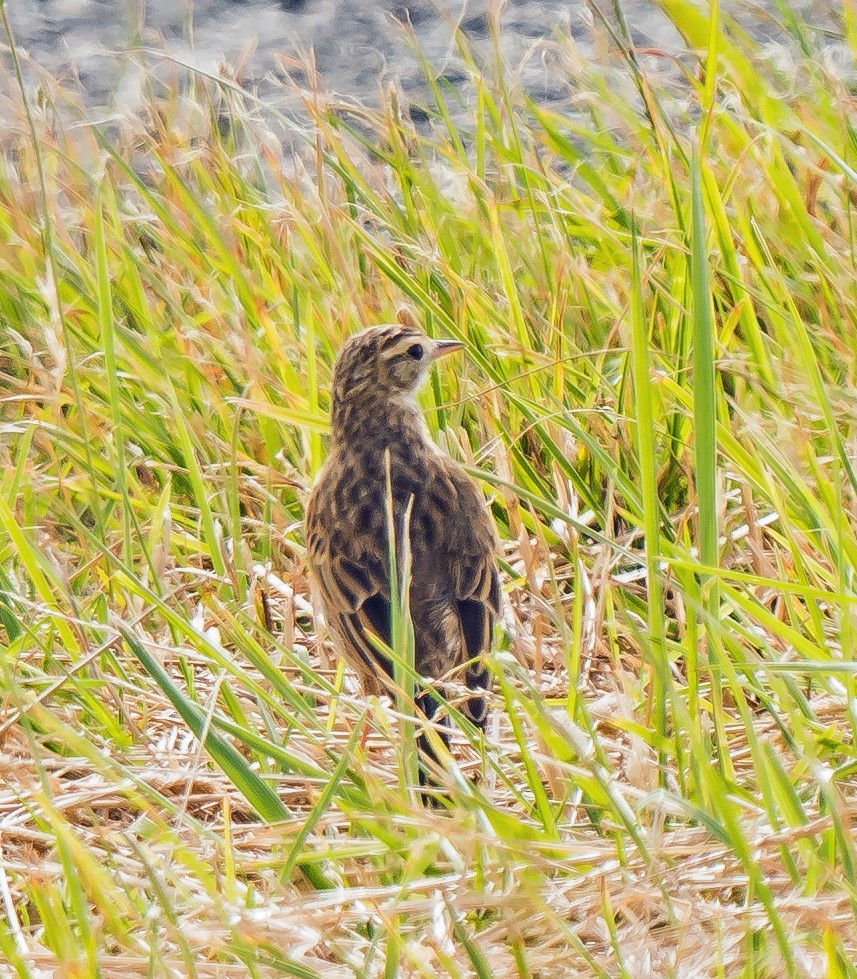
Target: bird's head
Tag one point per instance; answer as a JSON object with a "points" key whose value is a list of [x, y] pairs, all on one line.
{"points": [[386, 363]]}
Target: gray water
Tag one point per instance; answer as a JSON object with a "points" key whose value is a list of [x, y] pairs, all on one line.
{"points": [[359, 45]]}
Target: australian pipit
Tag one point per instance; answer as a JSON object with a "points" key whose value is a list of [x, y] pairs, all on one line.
{"points": [[454, 594]]}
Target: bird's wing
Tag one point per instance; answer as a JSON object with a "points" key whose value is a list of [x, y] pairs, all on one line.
{"points": [[471, 541], [456, 617], [346, 551], [478, 595]]}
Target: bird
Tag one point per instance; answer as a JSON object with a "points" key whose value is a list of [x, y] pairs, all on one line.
{"points": [[378, 432]]}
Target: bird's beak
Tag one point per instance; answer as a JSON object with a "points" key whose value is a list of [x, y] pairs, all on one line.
{"points": [[444, 347]]}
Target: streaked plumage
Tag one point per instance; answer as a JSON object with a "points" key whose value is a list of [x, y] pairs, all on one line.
{"points": [[455, 587]]}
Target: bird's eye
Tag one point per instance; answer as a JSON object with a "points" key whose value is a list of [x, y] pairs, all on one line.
{"points": [[415, 351]]}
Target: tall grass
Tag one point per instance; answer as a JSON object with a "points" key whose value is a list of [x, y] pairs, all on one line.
{"points": [[656, 285]]}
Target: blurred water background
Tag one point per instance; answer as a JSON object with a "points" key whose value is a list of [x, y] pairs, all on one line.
{"points": [[110, 49]]}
